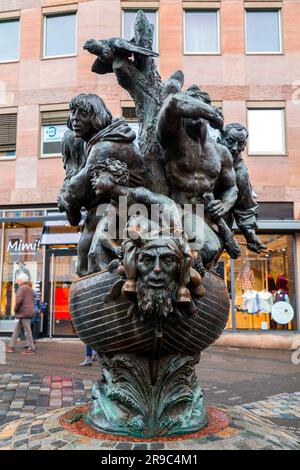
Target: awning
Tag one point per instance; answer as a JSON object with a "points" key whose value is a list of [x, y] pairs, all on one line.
{"points": [[59, 232]]}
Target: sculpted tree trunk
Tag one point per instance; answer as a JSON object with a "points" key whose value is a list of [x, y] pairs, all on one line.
{"points": [[139, 76]]}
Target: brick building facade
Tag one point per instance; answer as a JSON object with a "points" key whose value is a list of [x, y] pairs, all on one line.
{"points": [[34, 85]]}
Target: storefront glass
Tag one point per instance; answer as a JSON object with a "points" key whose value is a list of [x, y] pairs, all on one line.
{"points": [[62, 274], [21, 254], [263, 280]]}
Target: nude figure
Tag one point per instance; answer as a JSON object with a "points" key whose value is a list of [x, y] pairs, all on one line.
{"points": [[194, 163]]}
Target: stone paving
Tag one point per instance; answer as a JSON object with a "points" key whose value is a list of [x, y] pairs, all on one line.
{"points": [[246, 432], [30, 407], [26, 395]]}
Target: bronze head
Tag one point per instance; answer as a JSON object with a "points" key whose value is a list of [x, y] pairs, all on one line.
{"points": [[88, 115], [234, 137]]}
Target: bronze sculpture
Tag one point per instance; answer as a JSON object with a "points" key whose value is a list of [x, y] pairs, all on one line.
{"points": [[149, 301]]}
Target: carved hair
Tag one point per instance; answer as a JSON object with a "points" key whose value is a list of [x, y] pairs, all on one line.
{"points": [[117, 169], [238, 127], [94, 105]]}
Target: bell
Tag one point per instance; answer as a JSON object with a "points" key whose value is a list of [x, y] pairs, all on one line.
{"points": [[183, 295], [195, 277], [129, 287], [121, 270], [199, 291]]}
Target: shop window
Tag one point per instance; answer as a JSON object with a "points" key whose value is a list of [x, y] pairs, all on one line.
{"points": [[60, 38], [52, 132], [266, 131], [9, 40], [128, 24], [21, 254], [263, 280], [129, 114], [8, 135], [201, 32], [263, 31]]}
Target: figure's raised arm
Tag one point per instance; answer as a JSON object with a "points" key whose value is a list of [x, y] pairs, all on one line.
{"points": [[183, 105]]}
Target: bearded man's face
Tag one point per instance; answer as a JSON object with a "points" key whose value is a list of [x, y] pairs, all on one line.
{"points": [[157, 270]]}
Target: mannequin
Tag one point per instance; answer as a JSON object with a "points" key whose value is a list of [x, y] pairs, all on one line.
{"points": [[251, 301], [246, 276], [265, 301]]}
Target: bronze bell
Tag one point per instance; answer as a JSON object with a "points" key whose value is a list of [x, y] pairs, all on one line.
{"points": [[129, 287], [195, 277], [183, 295], [199, 291]]}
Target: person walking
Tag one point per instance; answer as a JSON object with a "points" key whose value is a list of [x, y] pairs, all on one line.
{"points": [[90, 356], [24, 311]]}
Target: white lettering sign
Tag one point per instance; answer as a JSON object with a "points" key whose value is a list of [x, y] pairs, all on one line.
{"points": [[17, 246]]}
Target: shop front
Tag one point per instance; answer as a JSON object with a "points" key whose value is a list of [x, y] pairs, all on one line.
{"points": [[263, 288], [41, 244]]}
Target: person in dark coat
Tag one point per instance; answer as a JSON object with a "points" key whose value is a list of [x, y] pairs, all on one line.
{"points": [[24, 311]]}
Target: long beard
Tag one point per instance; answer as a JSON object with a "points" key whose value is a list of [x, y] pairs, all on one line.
{"points": [[155, 301]]}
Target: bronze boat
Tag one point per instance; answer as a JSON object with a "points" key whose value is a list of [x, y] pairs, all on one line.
{"points": [[107, 327]]}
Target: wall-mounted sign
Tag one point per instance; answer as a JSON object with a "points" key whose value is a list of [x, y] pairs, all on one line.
{"points": [[53, 133], [282, 313]]}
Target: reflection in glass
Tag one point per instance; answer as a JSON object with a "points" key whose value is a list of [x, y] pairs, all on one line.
{"points": [[9, 40], [261, 280], [201, 31], [60, 35], [263, 31], [22, 254], [266, 131]]}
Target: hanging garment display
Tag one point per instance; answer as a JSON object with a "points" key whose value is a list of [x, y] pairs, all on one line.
{"points": [[265, 301], [246, 279], [251, 301]]}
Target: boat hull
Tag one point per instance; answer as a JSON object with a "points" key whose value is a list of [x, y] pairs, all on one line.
{"points": [[107, 328]]}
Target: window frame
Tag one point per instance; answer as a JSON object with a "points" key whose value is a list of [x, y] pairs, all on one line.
{"points": [[203, 10], [58, 13], [144, 8], [49, 108], [14, 18], [281, 108], [280, 24], [4, 111]]}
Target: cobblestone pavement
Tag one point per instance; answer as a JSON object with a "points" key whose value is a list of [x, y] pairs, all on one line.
{"points": [[26, 395], [246, 432], [246, 380]]}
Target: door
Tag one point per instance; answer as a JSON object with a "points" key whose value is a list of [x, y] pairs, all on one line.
{"points": [[62, 272]]}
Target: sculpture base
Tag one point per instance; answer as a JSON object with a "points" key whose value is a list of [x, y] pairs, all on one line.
{"points": [[135, 397]]}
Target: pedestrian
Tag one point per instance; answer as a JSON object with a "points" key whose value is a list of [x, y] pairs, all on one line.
{"points": [[90, 356], [24, 311]]}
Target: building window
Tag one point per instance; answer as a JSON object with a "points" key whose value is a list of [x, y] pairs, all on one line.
{"points": [[263, 280], [263, 31], [9, 40], [128, 25], [60, 35], [201, 32], [22, 254], [266, 131], [8, 135], [53, 129], [129, 114]]}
